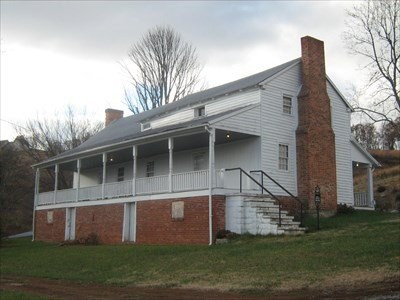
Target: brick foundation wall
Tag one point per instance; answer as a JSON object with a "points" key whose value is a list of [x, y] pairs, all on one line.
{"points": [[50, 232], [105, 221], [316, 159], [156, 226]]}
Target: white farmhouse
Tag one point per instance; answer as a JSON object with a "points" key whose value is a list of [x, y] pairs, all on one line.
{"points": [[245, 156]]}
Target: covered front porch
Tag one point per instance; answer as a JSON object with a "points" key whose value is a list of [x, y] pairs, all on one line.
{"points": [[363, 166], [187, 162]]}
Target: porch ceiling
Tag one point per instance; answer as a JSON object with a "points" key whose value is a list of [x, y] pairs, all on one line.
{"points": [[182, 143]]}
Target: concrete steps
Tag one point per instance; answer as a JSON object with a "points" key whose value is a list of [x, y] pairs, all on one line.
{"points": [[262, 217]]}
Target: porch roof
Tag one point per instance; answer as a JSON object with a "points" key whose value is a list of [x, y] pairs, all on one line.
{"points": [[130, 134], [358, 149]]}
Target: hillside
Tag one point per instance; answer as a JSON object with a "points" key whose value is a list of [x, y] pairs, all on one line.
{"points": [[386, 180]]}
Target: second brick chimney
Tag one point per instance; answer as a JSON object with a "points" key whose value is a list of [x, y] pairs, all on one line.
{"points": [[316, 158], [113, 115]]}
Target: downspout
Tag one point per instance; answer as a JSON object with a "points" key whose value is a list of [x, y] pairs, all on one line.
{"points": [[211, 132]]}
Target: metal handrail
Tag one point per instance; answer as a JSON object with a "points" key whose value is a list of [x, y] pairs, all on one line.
{"points": [[260, 185], [283, 188]]}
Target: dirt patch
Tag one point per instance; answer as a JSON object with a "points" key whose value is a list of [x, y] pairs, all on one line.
{"points": [[341, 287]]}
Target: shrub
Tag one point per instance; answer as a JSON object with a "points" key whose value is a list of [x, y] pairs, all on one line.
{"points": [[225, 234], [381, 189], [344, 209]]}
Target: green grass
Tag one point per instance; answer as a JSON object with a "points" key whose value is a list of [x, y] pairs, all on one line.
{"points": [[362, 242], [12, 295]]}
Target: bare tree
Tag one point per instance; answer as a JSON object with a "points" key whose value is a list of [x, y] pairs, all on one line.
{"points": [[390, 134], [373, 32], [163, 69], [366, 135], [42, 139]]}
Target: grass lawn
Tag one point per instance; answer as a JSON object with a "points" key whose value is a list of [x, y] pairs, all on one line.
{"points": [[360, 247], [12, 295]]}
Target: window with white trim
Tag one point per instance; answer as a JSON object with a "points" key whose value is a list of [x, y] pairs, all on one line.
{"points": [[287, 105], [121, 173], [283, 157], [150, 168], [200, 111], [146, 126], [199, 161]]}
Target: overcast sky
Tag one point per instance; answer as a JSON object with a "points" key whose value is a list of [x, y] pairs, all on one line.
{"points": [[56, 53]]}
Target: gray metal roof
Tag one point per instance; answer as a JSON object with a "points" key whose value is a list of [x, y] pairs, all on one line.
{"points": [[129, 128]]}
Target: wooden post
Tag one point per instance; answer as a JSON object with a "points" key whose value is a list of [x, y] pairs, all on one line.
{"points": [[211, 168], [370, 186], [103, 186], [134, 169], [171, 161], [55, 182], [78, 181]]}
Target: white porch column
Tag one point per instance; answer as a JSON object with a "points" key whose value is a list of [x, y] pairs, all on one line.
{"points": [[171, 161], [211, 170], [78, 180], [134, 169], [370, 186], [35, 201], [55, 182], [103, 182], [37, 183]]}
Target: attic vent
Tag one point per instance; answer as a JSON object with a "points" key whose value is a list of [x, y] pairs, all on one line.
{"points": [[146, 126], [200, 111]]}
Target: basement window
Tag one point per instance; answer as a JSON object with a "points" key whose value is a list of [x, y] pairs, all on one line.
{"points": [[283, 157], [200, 111], [287, 105], [146, 126]]}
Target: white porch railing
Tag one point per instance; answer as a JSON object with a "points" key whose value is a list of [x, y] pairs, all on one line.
{"points": [[45, 198], [361, 199], [196, 180], [118, 189], [68, 195], [90, 193], [186, 181], [156, 184]]}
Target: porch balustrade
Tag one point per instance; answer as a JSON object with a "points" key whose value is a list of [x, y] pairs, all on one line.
{"points": [[361, 199], [156, 184], [190, 180], [186, 181]]}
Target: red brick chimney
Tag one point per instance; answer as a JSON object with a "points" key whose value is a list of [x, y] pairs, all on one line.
{"points": [[113, 115], [316, 160]]}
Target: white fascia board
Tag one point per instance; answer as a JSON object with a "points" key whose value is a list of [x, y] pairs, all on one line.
{"points": [[365, 152], [234, 113], [339, 93], [139, 198], [263, 83]]}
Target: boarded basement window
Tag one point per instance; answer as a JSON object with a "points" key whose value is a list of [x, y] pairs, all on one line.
{"points": [[177, 210], [50, 215]]}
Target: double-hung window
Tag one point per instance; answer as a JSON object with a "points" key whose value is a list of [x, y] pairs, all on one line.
{"points": [[283, 157], [287, 105]]}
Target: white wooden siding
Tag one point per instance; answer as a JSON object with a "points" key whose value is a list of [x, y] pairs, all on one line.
{"points": [[341, 128], [279, 128], [213, 107], [247, 122]]}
